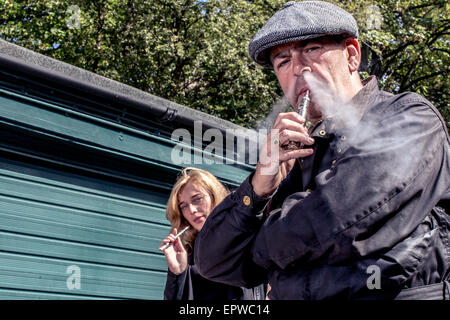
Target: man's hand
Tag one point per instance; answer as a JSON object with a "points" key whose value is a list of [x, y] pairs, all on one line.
{"points": [[176, 254], [275, 163]]}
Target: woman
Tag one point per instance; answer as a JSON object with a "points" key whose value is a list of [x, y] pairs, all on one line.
{"points": [[193, 197]]}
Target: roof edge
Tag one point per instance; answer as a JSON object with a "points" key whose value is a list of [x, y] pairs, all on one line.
{"points": [[55, 72]]}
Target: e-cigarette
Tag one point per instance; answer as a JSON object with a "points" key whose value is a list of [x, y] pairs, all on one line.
{"points": [[164, 247], [303, 111]]}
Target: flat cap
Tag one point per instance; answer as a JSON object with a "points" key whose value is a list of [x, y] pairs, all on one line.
{"points": [[300, 21]]}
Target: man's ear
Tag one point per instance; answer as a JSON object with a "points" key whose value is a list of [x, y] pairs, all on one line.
{"points": [[353, 54]]}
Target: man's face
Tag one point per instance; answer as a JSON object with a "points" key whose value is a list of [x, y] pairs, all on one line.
{"points": [[325, 59]]}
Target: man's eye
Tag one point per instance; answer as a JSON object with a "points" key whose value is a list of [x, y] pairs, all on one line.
{"points": [[282, 63], [311, 49]]}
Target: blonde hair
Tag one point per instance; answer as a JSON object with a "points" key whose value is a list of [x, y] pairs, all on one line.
{"points": [[216, 190]]}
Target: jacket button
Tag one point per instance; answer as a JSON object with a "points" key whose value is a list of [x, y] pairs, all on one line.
{"points": [[322, 133], [246, 200], [339, 150]]}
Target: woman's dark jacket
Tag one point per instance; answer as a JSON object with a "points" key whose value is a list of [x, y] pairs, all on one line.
{"points": [[190, 285], [360, 218]]}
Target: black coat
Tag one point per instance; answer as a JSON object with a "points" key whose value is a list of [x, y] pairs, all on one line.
{"points": [[190, 285], [357, 219]]}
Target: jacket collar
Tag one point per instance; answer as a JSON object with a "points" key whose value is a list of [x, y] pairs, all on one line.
{"points": [[359, 103], [328, 127]]}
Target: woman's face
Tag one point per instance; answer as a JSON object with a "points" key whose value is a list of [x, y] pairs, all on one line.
{"points": [[195, 204]]}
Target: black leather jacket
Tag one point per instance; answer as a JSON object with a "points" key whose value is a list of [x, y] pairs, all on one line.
{"points": [[357, 219]]}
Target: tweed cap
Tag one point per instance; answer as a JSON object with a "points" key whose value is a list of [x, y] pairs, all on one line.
{"points": [[300, 21]]}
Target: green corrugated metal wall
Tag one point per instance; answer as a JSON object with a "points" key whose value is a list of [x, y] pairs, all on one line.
{"points": [[52, 218], [48, 225]]}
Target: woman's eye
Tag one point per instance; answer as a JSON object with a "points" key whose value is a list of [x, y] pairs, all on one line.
{"points": [[197, 199]]}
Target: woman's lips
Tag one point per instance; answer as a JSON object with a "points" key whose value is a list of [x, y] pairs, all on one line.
{"points": [[199, 219]]}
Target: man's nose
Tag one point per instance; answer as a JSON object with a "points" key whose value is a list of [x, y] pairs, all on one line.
{"points": [[299, 65], [300, 68]]}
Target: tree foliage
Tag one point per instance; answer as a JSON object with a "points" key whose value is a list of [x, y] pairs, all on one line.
{"points": [[194, 52], [412, 39]]}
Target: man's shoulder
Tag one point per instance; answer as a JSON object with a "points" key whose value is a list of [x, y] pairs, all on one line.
{"points": [[407, 106], [409, 102], [402, 98]]}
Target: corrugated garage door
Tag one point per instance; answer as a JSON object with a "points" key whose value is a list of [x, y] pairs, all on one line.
{"points": [[82, 204], [65, 234]]}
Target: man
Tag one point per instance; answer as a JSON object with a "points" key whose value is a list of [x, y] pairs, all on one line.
{"points": [[356, 212]]}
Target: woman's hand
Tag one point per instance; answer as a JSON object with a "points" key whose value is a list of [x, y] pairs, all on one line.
{"points": [[176, 254]]}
